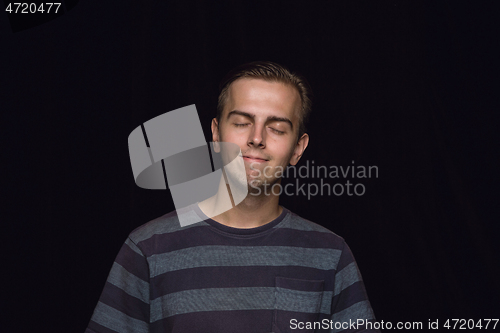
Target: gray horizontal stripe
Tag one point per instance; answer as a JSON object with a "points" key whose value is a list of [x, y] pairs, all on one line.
{"points": [[129, 283], [244, 298], [346, 277], [117, 321], [326, 302], [298, 300], [219, 255], [213, 299], [360, 310]]}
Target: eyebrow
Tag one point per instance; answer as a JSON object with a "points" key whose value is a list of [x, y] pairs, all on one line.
{"points": [[270, 118]]}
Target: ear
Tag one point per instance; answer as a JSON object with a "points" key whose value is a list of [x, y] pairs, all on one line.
{"points": [[299, 149], [215, 135]]}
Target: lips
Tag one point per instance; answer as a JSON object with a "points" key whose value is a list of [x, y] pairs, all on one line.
{"points": [[253, 158]]}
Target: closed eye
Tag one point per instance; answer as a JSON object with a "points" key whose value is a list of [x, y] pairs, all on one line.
{"points": [[240, 125], [276, 131]]}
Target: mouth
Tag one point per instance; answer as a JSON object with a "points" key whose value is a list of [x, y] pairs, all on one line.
{"points": [[254, 159]]}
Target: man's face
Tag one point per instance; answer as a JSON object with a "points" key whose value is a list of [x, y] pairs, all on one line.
{"points": [[262, 118]]}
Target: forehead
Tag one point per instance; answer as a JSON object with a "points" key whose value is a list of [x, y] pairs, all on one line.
{"points": [[265, 98]]}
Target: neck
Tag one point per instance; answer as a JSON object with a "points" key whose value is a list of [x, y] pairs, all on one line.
{"points": [[252, 212]]}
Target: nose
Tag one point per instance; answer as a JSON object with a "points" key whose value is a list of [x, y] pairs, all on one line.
{"points": [[257, 137]]}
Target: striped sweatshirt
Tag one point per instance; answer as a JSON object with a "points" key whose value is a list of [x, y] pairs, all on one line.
{"points": [[289, 275]]}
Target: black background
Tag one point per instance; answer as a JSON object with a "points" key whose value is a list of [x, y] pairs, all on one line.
{"points": [[408, 86]]}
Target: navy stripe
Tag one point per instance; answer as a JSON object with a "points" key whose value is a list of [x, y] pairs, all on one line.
{"points": [[232, 277], [248, 321], [349, 296], [361, 328], [123, 302], [360, 310], [283, 321], [299, 284], [346, 258], [133, 262]]}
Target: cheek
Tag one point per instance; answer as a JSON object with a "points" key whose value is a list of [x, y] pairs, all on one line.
{"points": [[229, 136], [283, 154], [236, 139]]}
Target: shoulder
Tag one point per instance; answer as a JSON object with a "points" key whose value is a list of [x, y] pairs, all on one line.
{"points": [[298, 223], [166, 224]]}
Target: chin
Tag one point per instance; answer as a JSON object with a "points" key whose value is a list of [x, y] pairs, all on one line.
{"points": [[261, 183]]}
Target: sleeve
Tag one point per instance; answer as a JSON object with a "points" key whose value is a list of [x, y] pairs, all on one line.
{"points": [[124, 305], [351, 309]]}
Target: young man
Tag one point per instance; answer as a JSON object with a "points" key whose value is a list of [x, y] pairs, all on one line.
{"points": [[255, 268]]}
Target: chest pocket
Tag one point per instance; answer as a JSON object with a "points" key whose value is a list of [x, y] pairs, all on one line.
{"points": [[297, 305]]}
